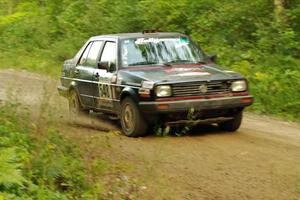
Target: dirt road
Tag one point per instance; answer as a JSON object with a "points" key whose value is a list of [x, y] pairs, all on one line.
{"points": [[260, 161]]}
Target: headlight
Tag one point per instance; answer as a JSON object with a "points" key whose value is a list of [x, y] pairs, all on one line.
{"points": [[163, 91], [239, 86]]}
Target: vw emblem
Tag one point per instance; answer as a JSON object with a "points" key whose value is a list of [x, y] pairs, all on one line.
{"points": [[203, 88]]}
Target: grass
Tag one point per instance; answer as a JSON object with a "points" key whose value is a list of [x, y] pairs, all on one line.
{"points": [[31, 62], [38, 165]]}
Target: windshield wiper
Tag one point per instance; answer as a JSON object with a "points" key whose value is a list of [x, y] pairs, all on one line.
{"points": [[176, 62], [169, 63], [142, 63]]}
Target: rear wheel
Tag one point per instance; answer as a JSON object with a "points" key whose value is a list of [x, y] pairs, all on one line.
{"points": [[233, 124], [75, 107], [132, 122]]}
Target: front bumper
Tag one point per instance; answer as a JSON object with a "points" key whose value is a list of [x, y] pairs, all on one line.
{"points": [[196, 104]]}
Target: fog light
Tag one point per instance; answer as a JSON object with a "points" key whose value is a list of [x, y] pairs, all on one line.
{"points": [[246, 100], [163, 106]]}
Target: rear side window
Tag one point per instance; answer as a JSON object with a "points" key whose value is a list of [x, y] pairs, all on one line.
{"points": [[90, 55], [85, 54]]}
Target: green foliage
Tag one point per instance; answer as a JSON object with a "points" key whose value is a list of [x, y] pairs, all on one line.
{"points": [[10, 172], [40, 166], [249, 36], [54, 165]]}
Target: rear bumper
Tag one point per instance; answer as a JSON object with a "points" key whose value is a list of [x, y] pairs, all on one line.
{"points": [[196, 104]]}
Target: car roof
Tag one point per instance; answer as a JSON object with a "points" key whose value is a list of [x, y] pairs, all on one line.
{"points": [[138, 35]]}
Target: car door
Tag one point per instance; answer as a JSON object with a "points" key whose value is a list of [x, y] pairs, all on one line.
{"points": [[84, 72], [105, 95]]}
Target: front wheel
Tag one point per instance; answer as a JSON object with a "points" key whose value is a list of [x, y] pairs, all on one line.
{"points": [[132, 122], [233, 124]]}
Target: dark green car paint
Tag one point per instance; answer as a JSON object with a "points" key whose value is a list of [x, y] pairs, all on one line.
{"points": [[101, 90]]}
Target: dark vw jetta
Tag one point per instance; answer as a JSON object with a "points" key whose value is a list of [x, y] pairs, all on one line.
{"points": [[145, 78]]}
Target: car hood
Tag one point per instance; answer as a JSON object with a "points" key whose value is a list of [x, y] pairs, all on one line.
{"points": [[181, 73]]}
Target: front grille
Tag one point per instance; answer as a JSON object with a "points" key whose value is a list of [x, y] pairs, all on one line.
{"points": [[193, 88]]}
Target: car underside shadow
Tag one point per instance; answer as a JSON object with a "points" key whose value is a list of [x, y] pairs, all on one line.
{"points": [[186, 131], [209, 129]]}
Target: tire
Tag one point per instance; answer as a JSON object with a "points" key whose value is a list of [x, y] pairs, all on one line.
{"points": [[75, 107], [132, 122], [233, 124]]}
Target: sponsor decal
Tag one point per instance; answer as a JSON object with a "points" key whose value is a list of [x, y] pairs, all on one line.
{"points": [[157, 40], [187, 72], [182, 40], [194, 74]]}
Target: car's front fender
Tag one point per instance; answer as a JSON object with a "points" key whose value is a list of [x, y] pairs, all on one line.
{"points": [[129, 92]]}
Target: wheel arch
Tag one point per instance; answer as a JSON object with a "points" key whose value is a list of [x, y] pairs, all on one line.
{"points": [[129, 92], [73, 88]]}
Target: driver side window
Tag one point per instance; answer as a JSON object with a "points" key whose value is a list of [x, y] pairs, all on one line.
{"points": [[109, 54]]}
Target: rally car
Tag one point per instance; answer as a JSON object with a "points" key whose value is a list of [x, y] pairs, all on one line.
{"points": [[150, 77]]}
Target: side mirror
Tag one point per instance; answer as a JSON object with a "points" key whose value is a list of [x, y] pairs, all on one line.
{"points": [[212, 58], [109, 66], [103, 65]]}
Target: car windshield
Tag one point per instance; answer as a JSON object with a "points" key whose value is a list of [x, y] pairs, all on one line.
{"points": [[160, 51]]}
